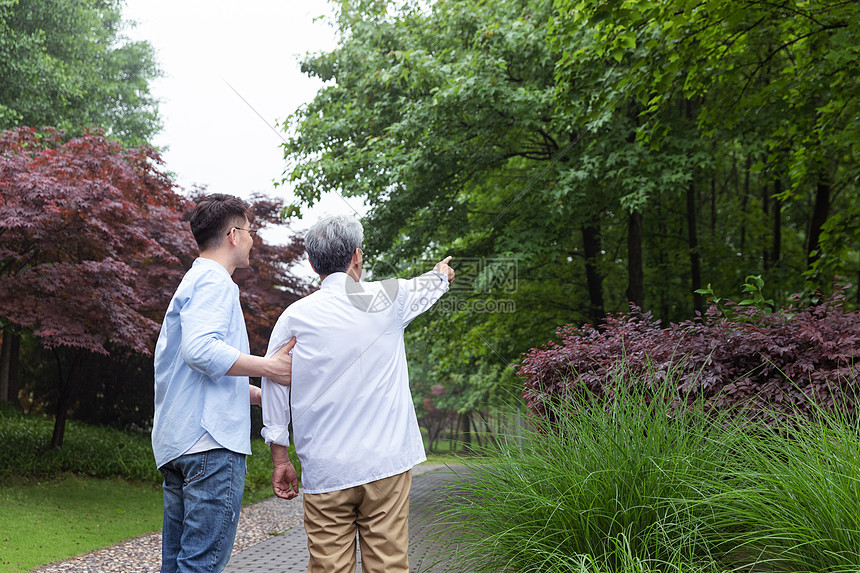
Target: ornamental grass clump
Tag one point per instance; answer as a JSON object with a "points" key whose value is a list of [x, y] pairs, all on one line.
{"points": [[596, 485], [795, 498], [728, 443], [636, 482]]}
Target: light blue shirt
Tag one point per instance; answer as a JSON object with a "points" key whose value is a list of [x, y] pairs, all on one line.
{"points": [[202, 336]]}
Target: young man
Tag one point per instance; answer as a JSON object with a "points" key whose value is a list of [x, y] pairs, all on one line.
{"points": [[201, 430], [354, 424]]}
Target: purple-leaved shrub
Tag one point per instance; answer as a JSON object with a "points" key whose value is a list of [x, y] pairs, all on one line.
{"points": [[794, 359]]}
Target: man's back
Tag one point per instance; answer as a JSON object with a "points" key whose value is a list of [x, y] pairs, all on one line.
{"points": [[352, 412]]}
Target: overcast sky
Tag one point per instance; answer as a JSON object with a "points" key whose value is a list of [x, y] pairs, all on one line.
{"points": [[212, 136]]}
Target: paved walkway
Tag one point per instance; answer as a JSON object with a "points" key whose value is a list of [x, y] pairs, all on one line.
{"points": [[288, 553]]}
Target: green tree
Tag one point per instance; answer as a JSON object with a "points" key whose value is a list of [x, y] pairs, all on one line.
{"points": [[68, 65], [443, 120], [775, 87], [615, 152]]}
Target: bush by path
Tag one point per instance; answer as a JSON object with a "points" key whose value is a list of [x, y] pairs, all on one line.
{"points": [[98, 452], [791, 360], [635, 485]]}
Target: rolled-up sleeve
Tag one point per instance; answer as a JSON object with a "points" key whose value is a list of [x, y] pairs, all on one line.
{"points": [[276, 398], [206, 319], [276, 413]]}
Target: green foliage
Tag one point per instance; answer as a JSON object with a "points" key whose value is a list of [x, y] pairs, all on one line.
{"points": [[468, 127], [637, 484], [597, 489], [621, 151], [98, 452], [437, 117], [753, 287], [87, 450], [776, 79], [68, 65]]}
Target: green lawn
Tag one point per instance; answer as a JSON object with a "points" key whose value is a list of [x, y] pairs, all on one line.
{"points": [[55, 504], [48, 521], [57, 519]]}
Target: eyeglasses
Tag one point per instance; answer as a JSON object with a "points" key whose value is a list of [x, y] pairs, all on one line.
{"points": [[251, 231], [360, 251]]}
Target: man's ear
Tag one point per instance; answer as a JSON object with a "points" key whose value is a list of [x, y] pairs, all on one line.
{"points": [[356, 261], [231, 236]]}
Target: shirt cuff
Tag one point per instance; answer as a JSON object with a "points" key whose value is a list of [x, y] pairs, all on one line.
{"points": [[223, 361], [276, 435], [443, 278]]}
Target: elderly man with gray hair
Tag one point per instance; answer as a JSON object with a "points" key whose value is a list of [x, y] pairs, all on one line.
{"points": [[354, 424]]}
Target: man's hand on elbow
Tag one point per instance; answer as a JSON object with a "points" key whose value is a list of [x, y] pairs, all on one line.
{"points": [[280, 364]]}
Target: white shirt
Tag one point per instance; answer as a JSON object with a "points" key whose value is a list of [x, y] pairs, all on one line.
{"points": [[352, 412]]}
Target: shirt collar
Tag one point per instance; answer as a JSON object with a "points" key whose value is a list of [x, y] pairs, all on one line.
{"points": [[204, 262], [335, 281]]}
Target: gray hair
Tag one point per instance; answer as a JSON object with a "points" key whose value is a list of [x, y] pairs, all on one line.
{"points": [[331, 242]]}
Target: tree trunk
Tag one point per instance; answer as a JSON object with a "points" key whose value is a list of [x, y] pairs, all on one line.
{"points": [[490, 430], [465, 432], [820, 212], [744, 199], [435, 424], [635, 274], [67, 384], [776, 250], [9, 366], [713, 204], [765, 205], [695, 259], [5, 361], [60, 421], [592, 248], [476, 432], [663, 302]]}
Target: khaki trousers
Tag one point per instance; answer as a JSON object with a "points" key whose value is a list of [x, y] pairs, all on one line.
{"points": [[378, 511]]}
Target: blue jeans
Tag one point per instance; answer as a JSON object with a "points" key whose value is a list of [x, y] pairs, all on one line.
{"points": [[202, 499]]}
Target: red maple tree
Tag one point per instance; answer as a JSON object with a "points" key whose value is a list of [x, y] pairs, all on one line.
{"points": [[93, 243], [269, 285], [91, 239]]}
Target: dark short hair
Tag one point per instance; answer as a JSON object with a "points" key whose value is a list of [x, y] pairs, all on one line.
{"points": [[213, 216]]}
